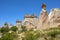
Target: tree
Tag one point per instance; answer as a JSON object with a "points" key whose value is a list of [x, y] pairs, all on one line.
{"points": [[4, 29], [14, 28]]}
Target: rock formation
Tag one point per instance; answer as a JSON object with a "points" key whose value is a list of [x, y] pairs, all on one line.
{"points": [[30, 21], [18, 24], [43, 18], [54, 17]]}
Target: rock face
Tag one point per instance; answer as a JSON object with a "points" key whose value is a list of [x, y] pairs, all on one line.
{"points": [[43, 19], [54, 17], [30, 21]]}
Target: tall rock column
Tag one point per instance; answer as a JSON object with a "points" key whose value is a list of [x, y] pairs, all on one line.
{"points": [[43, 18]]}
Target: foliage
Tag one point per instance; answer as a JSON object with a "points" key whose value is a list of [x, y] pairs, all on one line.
{"points": [[23, 28], [14, 28], [48, 34], [9, 36], [31, 35], [4, 29], [51, 34]]}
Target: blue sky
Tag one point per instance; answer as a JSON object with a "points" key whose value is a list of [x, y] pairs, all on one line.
{"points": [[12, 10]]}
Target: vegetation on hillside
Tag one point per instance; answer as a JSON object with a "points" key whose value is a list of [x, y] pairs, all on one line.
{"points": [[3, 29], [9, 36], [47, 34]]}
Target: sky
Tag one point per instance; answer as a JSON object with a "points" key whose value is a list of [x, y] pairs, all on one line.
{"points": [[12, 10]]}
